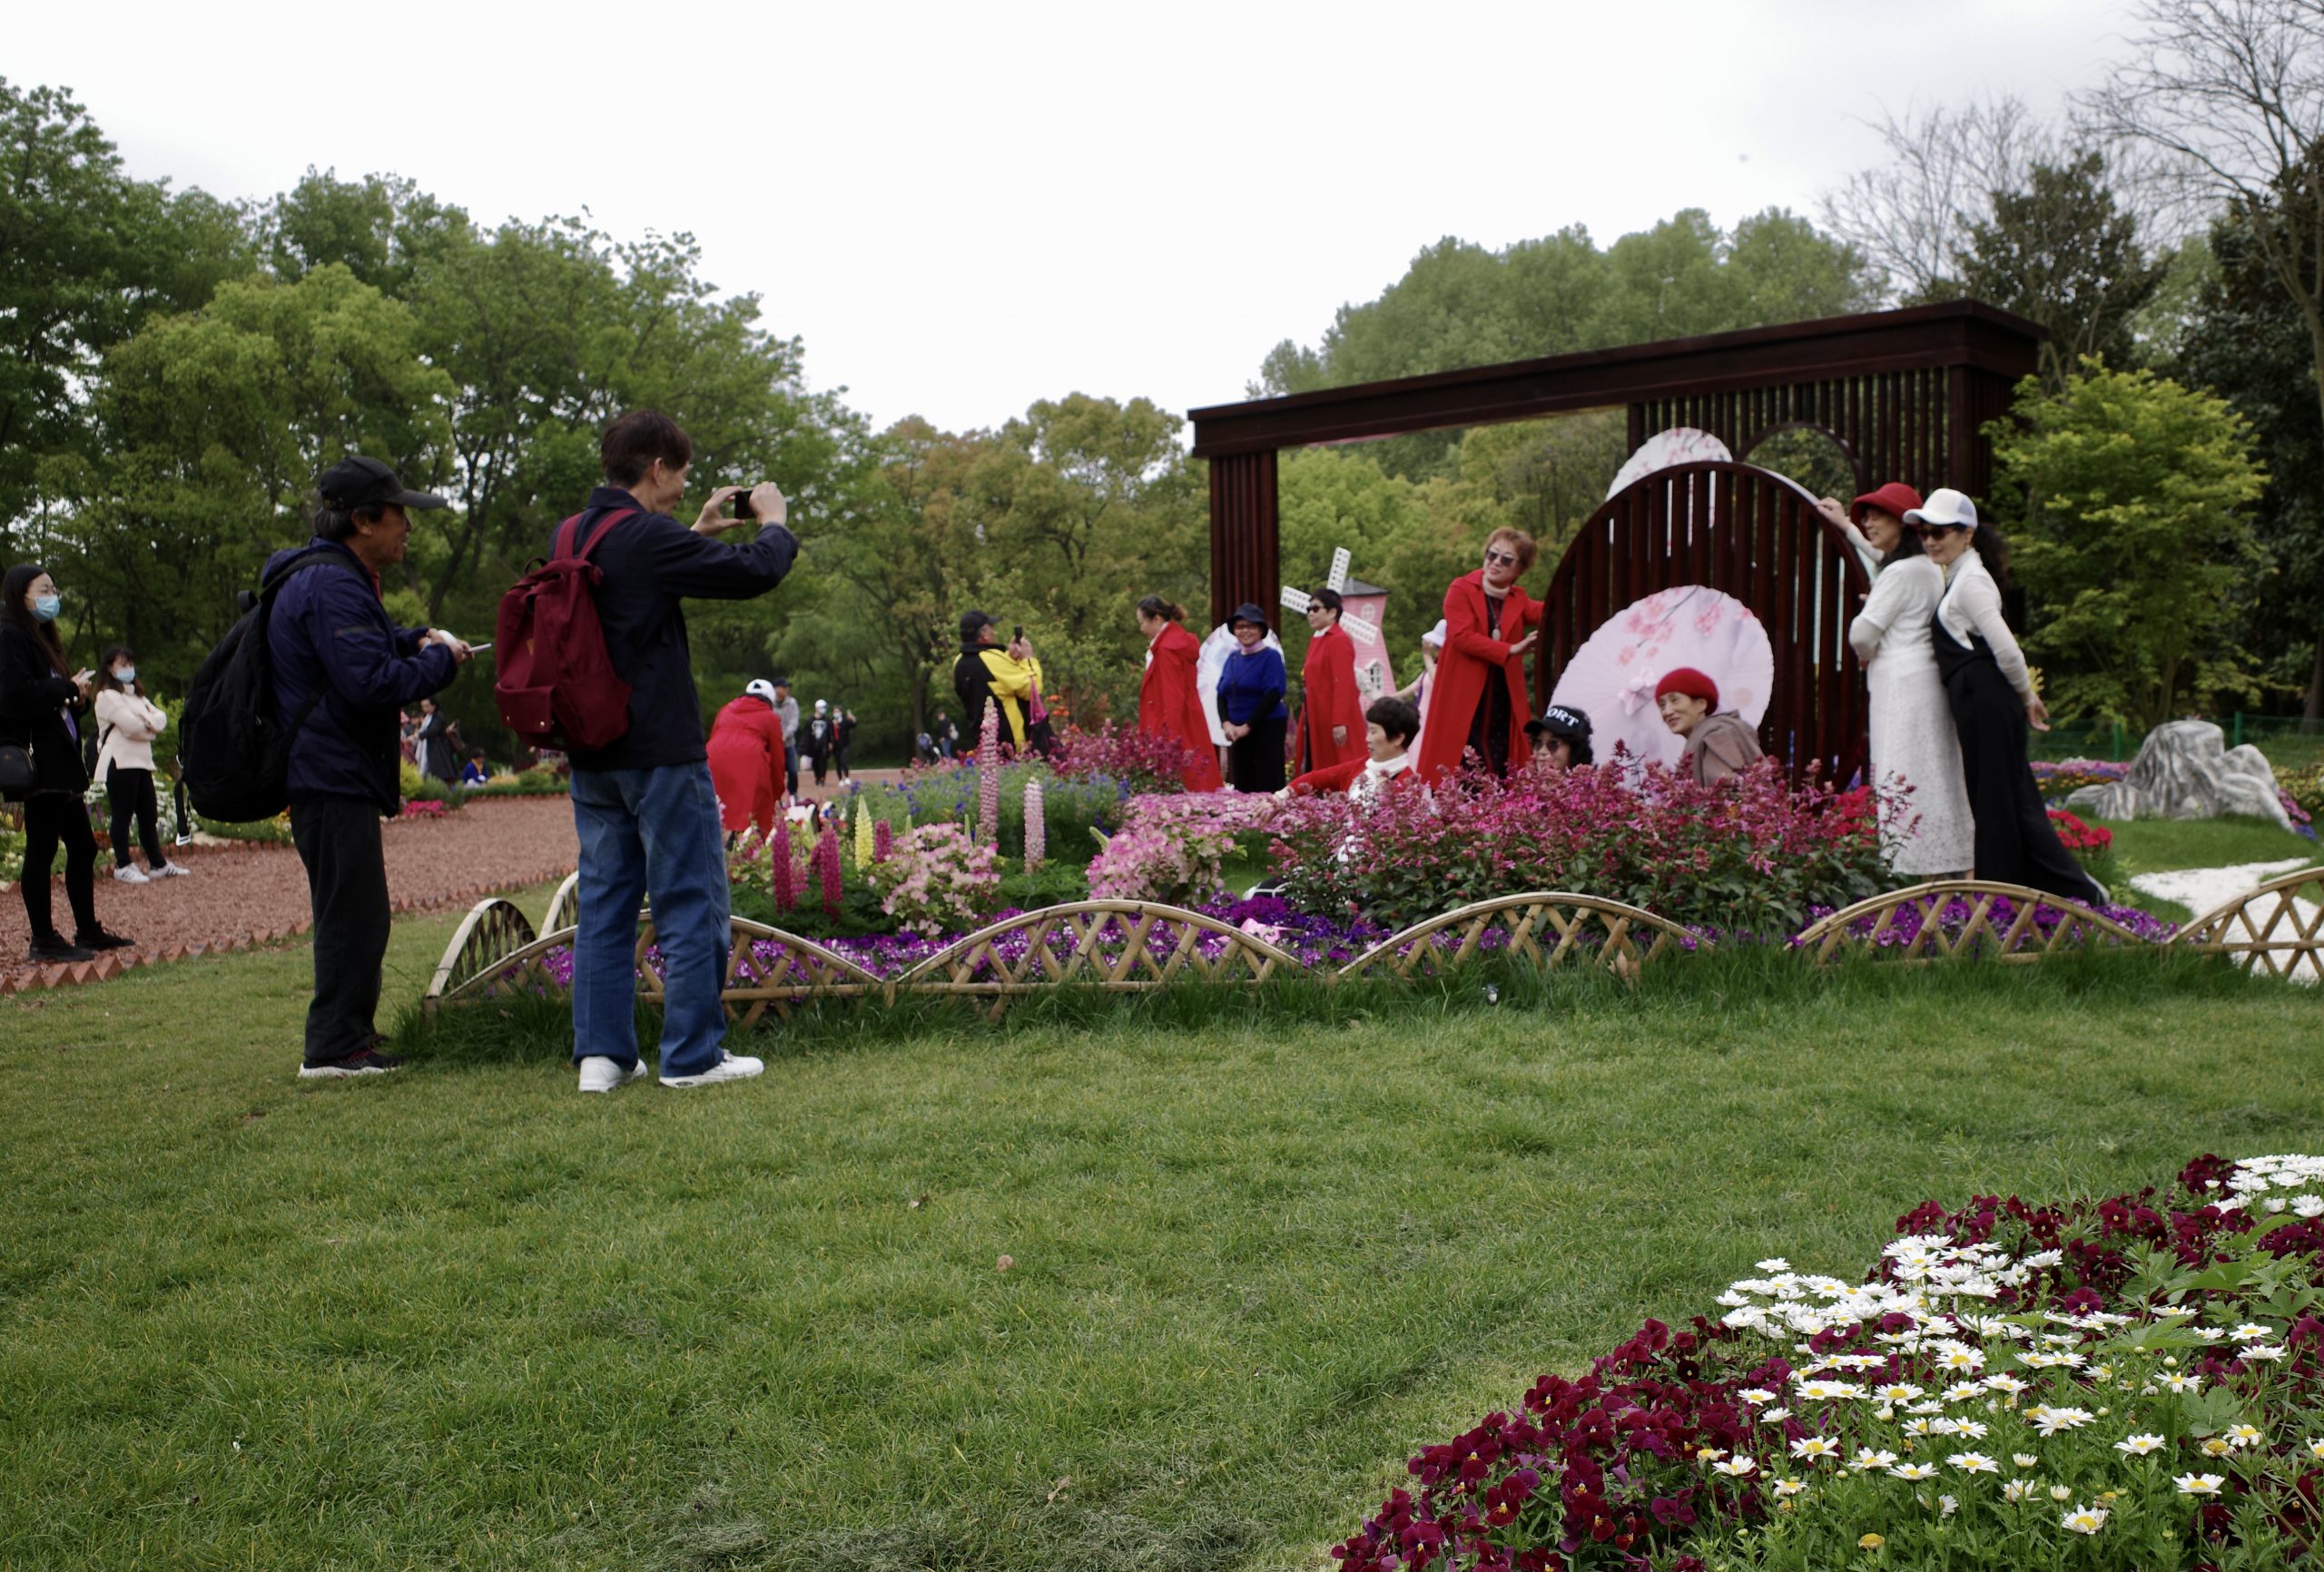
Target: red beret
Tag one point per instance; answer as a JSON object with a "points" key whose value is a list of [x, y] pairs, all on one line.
{"points": [[1895, 498], [1691, 682]]}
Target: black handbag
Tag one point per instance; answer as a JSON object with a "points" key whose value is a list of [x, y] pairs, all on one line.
{"points": [[17, 776]]}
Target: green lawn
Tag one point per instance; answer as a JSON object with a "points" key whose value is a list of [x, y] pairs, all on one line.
{"points": [[467, 1317]]}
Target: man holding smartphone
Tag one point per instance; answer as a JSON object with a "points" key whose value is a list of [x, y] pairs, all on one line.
{"points": [[642, 805]]}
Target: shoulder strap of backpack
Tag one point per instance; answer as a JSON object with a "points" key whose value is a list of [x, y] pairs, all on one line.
{"points": [[570, 529], [271, 586]]}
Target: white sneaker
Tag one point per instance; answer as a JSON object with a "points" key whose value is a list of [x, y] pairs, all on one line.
{"points": [[127, 873], [729, 1067], [170, 870], [601, 1073]]}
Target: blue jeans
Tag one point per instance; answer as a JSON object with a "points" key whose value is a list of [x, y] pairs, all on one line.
{"points": [[650, 831]]}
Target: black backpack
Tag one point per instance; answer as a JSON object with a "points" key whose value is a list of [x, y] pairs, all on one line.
{"points": [[235, 753]]}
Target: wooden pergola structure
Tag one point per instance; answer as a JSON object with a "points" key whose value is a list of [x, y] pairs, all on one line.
{"points": [[1905, 394]]}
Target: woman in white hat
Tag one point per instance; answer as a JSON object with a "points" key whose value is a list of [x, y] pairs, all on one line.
{"points": [[1927, 831], [1993, 700]]}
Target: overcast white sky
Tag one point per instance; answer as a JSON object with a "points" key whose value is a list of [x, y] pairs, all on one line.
{"points": [[963, 209]]}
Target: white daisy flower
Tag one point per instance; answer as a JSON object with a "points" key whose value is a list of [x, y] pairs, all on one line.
{"points": [[1973, 1463], [1867, 1461], [2200, 1484], [1913, 1471], [1815, 1448], [2085, 1519], [2139, 1446], [1734, 1468]]}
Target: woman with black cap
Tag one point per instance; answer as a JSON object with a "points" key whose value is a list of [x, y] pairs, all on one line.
{"points": [[1562, 738], [1992, 696], [1250, 704]]}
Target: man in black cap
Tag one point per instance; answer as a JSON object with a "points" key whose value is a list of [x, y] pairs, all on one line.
{"points": [[342, 673]]}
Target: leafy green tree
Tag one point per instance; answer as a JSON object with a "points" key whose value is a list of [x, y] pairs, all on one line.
{"points": [[2061, 253], [379, 228], [2137, 542], [86, 255]]}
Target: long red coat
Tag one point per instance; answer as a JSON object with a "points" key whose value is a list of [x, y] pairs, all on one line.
{"points": [[1169, 703], [1328, 679], [1472, 657], [745, 749]]}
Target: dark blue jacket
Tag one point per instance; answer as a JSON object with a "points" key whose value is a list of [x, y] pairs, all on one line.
{"points": [[331, 636], [649, 561]]}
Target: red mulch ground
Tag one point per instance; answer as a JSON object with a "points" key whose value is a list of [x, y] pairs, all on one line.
{"points": [[241, 895]]}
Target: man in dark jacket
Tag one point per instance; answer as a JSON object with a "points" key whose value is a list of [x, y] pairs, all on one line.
{"points": [[343, 665], [644, 805]]}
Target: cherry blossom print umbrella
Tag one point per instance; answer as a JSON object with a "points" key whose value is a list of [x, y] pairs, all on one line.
{"points": [[1210, 664], [1612, 676], [1679, 445]]}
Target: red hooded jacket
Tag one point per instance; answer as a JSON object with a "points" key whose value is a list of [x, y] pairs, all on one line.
{"points": [[1472, 657], [1169, 703], [745, 749]]}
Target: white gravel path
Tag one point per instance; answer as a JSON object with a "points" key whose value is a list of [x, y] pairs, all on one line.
{"points": [[2200, 889]]}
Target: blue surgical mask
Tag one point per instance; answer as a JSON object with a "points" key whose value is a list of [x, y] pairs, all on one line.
{"points": [[126, 675], [46, 607]]}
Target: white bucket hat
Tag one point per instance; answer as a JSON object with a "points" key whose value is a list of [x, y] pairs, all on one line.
{"points": [[1945, 506], [1435, 635]]}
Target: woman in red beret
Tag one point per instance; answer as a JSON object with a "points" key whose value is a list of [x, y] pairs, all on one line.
{"points": [[1477, 698], [1719, 742]]}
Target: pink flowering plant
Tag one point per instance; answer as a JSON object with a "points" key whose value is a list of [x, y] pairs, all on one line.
{"points": [[937, 878], [2128, 1382], [1146, 763], [1170, 848], [1749, 855]]}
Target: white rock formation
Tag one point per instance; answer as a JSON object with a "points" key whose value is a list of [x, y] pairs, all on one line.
{"points": [[2185, 770]]}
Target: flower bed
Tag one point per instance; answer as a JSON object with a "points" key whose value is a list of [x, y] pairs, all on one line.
{"points": [[2129, 1382]]}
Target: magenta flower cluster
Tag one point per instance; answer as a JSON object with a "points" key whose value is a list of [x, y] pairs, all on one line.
{"points": [[1145, 762]]}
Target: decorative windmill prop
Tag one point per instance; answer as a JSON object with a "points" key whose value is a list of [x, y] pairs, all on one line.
{"points": [[1363, 608]]}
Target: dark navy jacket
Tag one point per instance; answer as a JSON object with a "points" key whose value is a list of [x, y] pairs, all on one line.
{"points": [[330, 634], [649, 561]]}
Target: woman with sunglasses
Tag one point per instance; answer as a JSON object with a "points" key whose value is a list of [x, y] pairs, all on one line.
{"points": [[1993, 700], [1927, 829], [1476, 699]]}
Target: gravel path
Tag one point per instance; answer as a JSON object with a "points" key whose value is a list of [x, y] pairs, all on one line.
{"points": [[2202, 890], [238, 895]]}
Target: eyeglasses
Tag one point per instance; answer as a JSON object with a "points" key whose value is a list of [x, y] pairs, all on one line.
{"points": [[1931, 531], [1501, 559]]}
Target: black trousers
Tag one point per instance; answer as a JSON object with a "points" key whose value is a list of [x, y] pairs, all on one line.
{"points": [[1254, 762], [54, 819], [337, 839], [131, 793]]}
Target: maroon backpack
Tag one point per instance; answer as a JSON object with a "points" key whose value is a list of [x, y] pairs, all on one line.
{"points": [[556, 685]]}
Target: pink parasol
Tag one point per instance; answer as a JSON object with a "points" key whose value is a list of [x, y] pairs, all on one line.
{"points": [[1612, 676]]}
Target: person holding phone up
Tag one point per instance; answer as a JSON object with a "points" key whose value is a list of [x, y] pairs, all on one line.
{"points": [[42, 702]]}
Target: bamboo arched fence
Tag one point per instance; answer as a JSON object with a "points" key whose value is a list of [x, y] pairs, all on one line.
{"points": [[1127, 947]]}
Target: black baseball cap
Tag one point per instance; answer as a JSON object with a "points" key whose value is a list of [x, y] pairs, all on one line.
{"points": [[972, 622], [356, 482]]}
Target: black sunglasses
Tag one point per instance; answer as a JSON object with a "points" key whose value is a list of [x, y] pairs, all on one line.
{"points": [[1501, 556], [1931, 531]]}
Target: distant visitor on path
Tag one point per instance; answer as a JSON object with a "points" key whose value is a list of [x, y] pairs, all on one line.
{"points": [[990, 672], [1476, 699], [787, 707], [44, 703], [342, 667], [1251, 687], [642, 805], [1926, 830], [1719, 742], [1331, 707], [128, 723], [1169, 703], [1992, 696], [746, 765], [435, 741], [816, 740]]}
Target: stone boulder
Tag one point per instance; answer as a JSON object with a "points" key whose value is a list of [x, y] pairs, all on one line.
{"points": [[2185, 770]]}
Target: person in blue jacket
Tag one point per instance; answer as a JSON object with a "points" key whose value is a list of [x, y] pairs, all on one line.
{"points": [[642, 805], [343, 672], [1250, 705]]}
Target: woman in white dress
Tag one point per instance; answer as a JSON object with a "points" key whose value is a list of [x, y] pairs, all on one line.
{"points": [[1929, 830]]}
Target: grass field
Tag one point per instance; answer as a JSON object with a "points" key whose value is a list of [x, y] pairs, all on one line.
{"points": [[465, 1317]]}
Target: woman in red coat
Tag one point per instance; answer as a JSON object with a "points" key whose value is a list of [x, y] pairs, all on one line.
{"points": [[745, 749], [1169, 705], [1477, 698], [1331, 715]]}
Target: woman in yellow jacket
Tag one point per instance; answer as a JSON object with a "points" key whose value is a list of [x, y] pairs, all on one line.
{"points": [[990, 672]]}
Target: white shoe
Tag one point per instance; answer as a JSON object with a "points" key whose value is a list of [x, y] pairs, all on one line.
{"points": [[127, 873], [729, 1067], [601, 1073], [170, 870]]}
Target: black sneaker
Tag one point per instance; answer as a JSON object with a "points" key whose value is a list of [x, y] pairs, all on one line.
{"points": [[367, 1062], [98, 938], [48, 948]]}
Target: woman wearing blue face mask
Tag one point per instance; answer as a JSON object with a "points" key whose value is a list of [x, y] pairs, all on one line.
{"points": [[127, 723], [41, 700]]}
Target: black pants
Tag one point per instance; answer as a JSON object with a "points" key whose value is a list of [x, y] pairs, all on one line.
{"points": [[131, 791], [1255, 760], [346, 887], [839, 762], [51, 820]]}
